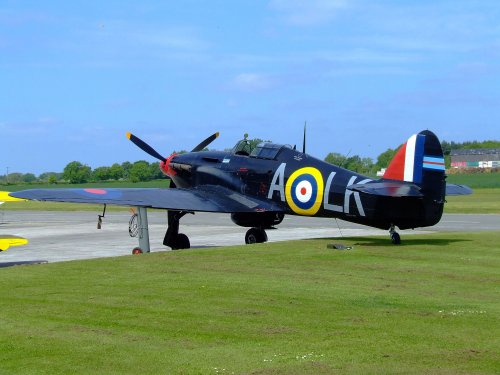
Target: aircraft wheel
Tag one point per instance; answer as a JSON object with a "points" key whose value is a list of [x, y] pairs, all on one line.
{"points": [[136, 250], [255, 235], [181, 242], [395, 238]]}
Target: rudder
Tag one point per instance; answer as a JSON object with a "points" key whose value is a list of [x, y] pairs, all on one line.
{"points": [[420, 161]]}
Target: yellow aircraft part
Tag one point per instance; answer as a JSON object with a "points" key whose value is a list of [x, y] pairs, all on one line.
{"points": [[5, 197], [8, 241]]}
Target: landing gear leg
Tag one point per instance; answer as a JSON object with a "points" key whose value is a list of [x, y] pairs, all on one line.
{"points": [[138, 227], [255, 235], [173, 238], [395, 238]]}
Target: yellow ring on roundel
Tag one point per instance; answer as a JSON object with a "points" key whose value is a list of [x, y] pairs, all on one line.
{"points": [[312, 175]]}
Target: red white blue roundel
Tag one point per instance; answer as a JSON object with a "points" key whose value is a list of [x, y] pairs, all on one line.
{"points": [[304, 191]]}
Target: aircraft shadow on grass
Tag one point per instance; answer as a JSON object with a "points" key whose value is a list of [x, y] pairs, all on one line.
{"points": [[22, 263], [379, 241]]}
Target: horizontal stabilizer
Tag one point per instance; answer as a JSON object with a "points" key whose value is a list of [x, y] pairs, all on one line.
{"points": [[7, 241], [388, 189], [452, 189]]}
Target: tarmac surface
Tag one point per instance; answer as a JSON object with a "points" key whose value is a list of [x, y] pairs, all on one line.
{"points": [[64, 236]]}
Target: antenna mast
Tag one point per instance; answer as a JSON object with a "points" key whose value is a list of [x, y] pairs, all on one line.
{"points": [[304, 141]]}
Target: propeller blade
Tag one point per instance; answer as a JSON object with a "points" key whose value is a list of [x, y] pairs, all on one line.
{"points": [[206, 142], [145, 147]]}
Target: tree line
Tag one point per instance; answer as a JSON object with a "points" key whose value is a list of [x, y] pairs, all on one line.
{"points": [[76, 173]]}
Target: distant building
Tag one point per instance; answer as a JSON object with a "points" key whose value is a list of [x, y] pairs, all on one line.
{"points": [[476, 158]]}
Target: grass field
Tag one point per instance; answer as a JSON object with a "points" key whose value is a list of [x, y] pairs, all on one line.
{"points": [[481, 201], [476, 180], [428, 306]]}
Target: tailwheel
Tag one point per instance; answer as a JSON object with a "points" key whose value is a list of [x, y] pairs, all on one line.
{"points": [[181, 242], [136, 250], [395, 238], [255, 235]]}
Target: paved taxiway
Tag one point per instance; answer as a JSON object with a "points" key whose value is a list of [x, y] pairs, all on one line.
{"points": [[61, 236]]}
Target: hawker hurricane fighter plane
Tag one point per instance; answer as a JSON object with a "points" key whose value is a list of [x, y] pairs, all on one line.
{"points": [[259, 187]]}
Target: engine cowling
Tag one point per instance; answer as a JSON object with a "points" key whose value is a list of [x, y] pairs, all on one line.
{"points": [[264, 220]]}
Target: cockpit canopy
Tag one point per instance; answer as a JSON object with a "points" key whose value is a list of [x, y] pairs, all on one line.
{"points": [[265, 150], [243, 147]]}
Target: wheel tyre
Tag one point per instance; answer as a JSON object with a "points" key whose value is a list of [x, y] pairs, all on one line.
{"points": [[136, 250], [395, 238], [182, 242], [250, 238], [255, 235]]}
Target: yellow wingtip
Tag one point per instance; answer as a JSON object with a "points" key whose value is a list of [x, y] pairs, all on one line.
{"points": [[129, 135], [5, 197], [217, 135], [8, 241]]}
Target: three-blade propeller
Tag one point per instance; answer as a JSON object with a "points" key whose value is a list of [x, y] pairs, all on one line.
{"points": [[145, 147], [151, 151], [205, 143]]}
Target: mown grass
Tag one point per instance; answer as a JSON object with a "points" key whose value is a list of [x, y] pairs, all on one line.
{"points": [[481, 201], [476, 180], [428, 306]]}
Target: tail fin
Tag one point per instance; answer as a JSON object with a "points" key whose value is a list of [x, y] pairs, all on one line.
{"points": [[420, 161]]}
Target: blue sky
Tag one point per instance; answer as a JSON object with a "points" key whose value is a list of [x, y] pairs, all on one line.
{"points": [[364, 74]]}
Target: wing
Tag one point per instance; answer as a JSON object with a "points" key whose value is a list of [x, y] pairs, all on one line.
{"points": [[452, 189], [206, 198]]}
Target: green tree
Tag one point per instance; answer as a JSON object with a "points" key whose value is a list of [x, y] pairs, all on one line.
{"points": [[29, 178], [126, 166], [77, 173], [336, 158], [155, 171], [368, 167], [254, 142], [14, 178], [140, 171], [101, 174], [384, 159], [116, 171], [50, 177]]}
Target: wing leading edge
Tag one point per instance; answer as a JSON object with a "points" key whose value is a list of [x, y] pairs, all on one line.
{"points": [[204, 199]]}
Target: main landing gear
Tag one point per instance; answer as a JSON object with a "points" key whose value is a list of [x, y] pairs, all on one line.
{"points": [[395, 238], [173, 238], [138, 227], [255, 235]]}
